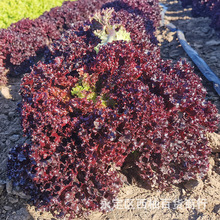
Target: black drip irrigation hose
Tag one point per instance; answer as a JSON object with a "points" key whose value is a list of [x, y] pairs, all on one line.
{"points": [[199, 62]]}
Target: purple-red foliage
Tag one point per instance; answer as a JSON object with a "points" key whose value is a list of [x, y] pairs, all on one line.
{"points": [[23, 43], [210, 8], [3, 77], [68, 175], [161, 114], [140, 18], [215, 15], [155, 123]]}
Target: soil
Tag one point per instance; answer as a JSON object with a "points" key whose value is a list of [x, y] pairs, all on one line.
{"points": [[197, 199]]}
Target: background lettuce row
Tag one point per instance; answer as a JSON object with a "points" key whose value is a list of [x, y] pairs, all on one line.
{"points": [[205, 8], [14, 10], [24, 42]]}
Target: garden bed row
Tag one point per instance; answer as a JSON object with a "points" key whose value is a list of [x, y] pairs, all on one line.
{"points": [[101, 100]]}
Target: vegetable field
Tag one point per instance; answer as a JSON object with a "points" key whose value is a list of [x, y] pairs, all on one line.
{"points": [[104, 115]]}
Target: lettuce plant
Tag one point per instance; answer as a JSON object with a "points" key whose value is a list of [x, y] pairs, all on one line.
{"points": [[156, 127], [210, 8], [92, 114], [24, 42]]}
